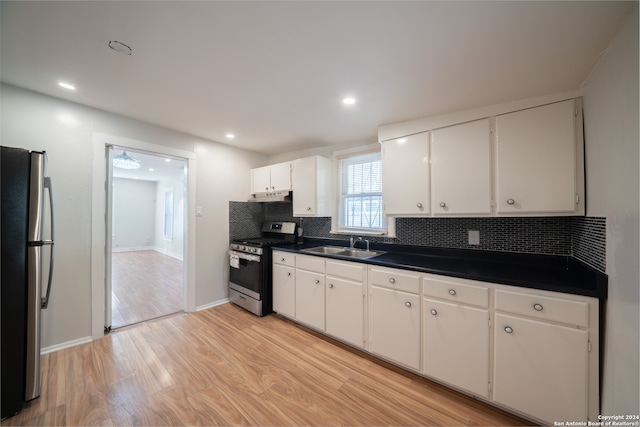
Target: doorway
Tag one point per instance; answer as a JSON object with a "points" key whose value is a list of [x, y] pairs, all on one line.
{"points": [[145, 238]]}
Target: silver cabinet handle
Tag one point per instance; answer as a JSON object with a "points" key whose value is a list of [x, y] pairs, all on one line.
{"points": [[309, 209], [282, 260], [434, 311], [408, 304], [317, 281], [537, 307], [452, 291], [331, 285], [266, 188], [273, 188], [289, 274], [419, 205], [392, 280], [508, 329], [510, 201], [443, 205]]}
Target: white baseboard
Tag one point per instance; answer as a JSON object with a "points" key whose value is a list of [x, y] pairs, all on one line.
{"points": [[67, 344], [133, 249], [213, 304], [168, 253]]}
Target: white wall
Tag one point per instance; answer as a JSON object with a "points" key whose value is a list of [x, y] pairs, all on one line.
{"points": [[65, 130], [134, 214], [612, 159]]}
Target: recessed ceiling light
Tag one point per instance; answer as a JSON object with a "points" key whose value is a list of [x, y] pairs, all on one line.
{"points": [[120, 47], [151, 169], [230, 136], [167, 160], [348, 100], [401, 140], [66, 86]]}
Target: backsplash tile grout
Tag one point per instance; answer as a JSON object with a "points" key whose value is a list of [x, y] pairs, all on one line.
{"points": [[584, 238]]}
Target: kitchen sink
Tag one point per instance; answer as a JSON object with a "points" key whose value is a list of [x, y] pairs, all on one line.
{"points": [[342, 251], [327, 250]]}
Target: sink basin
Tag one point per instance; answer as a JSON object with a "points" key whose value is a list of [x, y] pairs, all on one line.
{"points": [[359, 253], [342, 251], [327, 250]]}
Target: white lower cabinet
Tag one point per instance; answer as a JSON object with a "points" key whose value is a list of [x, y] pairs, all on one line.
{"points": [[456, 345], [542, 363], [394, 315], [533, 352], [345, 301], [310, 298], [345, 310], [284, 284], [284, 290]]}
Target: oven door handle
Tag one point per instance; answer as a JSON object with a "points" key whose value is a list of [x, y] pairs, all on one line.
{"points": [[248, 257]]}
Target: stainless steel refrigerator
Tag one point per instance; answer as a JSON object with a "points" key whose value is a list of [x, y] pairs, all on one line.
{"points": [[25, 221]]}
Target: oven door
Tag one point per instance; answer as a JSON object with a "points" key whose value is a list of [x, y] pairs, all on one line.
{"points": [[247, 272]]}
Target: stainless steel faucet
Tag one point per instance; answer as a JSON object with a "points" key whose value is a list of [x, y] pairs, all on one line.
{"points": [[353, 241]]}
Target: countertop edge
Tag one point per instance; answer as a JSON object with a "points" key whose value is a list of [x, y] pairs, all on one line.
{"points": [[568, 275]]}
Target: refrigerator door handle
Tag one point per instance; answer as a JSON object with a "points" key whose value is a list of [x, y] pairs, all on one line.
{"points": [[45, 301]]}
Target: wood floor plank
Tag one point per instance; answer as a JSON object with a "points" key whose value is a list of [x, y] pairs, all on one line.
{"points": [[225, 366], [145, 285]]}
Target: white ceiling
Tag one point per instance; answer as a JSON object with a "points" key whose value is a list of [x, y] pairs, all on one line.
{"points": [[274, 73], [152, 167]]}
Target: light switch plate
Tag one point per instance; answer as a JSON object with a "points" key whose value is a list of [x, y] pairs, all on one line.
{"points": [[474, 237]]}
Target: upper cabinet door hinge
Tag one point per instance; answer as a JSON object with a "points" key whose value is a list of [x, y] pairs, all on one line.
{"points": [[589, 346], [577, 199], [576, 112]]}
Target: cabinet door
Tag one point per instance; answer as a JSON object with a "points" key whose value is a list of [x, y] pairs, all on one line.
{"points": [[281, 177], [394, 326], [284, 290], [345, 310], [303, 177], [405, 175], [540, 368], [310, 298], [260, 180], [461, 169], [456, 345], [536, 160]]}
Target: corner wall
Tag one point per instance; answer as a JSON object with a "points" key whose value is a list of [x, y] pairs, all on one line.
{"points": [[612, 180]]}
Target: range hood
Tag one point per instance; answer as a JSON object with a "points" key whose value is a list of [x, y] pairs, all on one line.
{"points": [[274, 196]]}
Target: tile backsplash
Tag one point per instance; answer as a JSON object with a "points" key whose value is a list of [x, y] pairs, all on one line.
{"points": [[581, 237]]}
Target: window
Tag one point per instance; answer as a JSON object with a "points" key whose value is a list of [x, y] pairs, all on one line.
{"points": [[168, 214], [360, 202]]}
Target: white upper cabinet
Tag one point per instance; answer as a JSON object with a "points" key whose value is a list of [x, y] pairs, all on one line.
{"points": [[271, 178], [461, 169], [537, 158], [312, 186], [405, 176]]}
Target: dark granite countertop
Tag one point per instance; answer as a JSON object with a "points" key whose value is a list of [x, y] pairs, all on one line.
{"points": [[546, 272]]}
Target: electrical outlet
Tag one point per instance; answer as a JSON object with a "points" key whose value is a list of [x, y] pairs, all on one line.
{"points": [[474, 237]]}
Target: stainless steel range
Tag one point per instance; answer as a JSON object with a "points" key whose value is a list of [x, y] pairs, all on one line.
{"points": [[250, 266]]}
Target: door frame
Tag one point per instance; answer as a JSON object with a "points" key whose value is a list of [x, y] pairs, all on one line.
{"points": [[99, 223]]}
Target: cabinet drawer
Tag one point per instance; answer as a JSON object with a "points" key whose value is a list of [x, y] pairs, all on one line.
{"points": [[310, 263], [284, 258], [543, 307], [455, 291], [395, 279], [348, 270]]}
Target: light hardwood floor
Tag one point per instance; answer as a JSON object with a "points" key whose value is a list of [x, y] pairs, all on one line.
{"points": [[146, 285], [225, 366]]}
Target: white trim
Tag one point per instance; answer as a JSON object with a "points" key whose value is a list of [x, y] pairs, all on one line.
{"points": [[351, 151], [68, 344], [212, 304], [135, 249], [98, 237]]}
